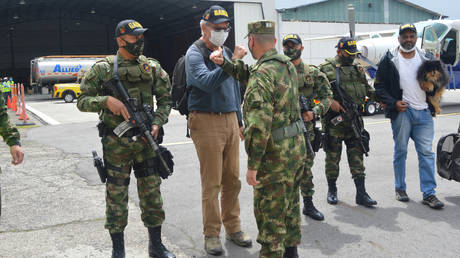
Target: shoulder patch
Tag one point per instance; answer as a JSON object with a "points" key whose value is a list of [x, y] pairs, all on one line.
{"points": [[146, 68]]}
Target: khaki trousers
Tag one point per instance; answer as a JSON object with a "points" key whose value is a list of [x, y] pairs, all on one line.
{"points": [[216, 139]]}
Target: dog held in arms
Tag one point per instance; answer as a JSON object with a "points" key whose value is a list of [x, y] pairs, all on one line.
{"points": [[432, 77]]}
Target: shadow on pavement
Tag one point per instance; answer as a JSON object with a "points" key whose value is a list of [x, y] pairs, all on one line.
{"points": [[325, 237]]}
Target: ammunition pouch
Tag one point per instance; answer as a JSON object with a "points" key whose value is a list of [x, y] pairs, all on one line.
{"points": [[153, 166], [145, 168], [168, 158], [289, 131]]}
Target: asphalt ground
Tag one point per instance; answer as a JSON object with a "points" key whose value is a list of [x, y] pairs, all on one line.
{"points": [[53, 203]]}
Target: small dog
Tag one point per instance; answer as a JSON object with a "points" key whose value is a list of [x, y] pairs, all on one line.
{"points": [[433, 78]]}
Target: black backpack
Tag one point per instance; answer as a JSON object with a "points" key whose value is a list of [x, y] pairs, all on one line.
{"points": [[448, 157], [179, 91]]}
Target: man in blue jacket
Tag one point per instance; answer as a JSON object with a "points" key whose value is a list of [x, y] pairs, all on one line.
{"points": [[215, 124], [410, 112]]}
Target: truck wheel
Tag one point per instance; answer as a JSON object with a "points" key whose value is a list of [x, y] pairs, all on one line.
{"points": [[68, 97], [370, 108]]}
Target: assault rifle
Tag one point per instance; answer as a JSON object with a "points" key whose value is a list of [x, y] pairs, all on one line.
{"points": [[351, 114]]}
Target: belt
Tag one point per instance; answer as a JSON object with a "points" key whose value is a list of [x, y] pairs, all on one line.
{"points": [[289, 131], [211, 113]]}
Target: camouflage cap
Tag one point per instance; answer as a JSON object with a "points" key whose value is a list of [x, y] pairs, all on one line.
{"points": [[261, 27]]}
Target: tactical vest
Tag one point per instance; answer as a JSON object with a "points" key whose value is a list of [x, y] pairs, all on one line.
{"points": [[305, 82], [138, 80], [350, 79]]}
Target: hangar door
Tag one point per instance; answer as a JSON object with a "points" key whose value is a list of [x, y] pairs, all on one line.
{"points": [[34, 28]]}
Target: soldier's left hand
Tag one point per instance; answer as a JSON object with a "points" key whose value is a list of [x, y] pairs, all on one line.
{"points": [[308, 116], [155, 130], [251, 177], [17, 154]]}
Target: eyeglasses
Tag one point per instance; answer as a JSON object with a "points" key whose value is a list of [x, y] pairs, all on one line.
{"points": [[221, 29]]}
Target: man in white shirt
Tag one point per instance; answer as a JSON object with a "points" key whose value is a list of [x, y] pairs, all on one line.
{"points": [[410, 112]]}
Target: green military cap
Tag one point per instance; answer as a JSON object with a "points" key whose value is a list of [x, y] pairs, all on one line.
{"points": [[261, 27]]}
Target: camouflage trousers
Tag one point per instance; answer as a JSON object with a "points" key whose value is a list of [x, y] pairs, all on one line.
{"points": [[277, 212], [334, 152], [121, 154]]}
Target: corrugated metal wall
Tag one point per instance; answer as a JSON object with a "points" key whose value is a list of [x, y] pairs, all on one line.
{"points": [[366, 11], [401, 13]]}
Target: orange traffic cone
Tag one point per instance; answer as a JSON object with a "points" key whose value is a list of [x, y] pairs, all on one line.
{"points": [[24, 117], [8, 104], [14, 107]]}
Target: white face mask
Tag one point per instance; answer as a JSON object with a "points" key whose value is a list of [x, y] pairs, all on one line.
{"points": [[407, 50], [218, 38]]}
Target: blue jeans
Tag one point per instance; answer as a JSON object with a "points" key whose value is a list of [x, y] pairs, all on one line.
{"points": [[418, 125]]}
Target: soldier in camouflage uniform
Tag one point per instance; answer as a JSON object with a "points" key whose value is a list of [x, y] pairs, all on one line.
{"points": [[142, 77], [353, 81], [10, 135], [273, 139], [313, 84]]}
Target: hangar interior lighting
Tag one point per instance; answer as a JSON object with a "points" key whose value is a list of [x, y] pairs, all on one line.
{"points": [[15, 16], [93, 11], [22, 2]]}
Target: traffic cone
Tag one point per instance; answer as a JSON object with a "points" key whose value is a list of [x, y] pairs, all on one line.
{"points": [[18, 94], [8, 104], [14, 107], [24, 117]]}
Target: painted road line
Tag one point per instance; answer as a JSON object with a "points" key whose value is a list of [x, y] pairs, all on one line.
{"points": [[176, 143], [388, 120], [42, 116]]}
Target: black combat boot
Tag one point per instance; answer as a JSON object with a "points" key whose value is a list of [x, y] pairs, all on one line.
{"points": [[362, 198], [310, 210], [332, 191], [118, 245], [290, 252], [156, 247]]}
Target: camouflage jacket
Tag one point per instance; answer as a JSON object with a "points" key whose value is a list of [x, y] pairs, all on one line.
{"points": [[352, 79], [270, 102], [143, 78], [313, 84], [9, 133]]}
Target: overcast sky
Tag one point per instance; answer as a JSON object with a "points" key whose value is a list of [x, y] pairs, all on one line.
{"points": [[450, 8]]}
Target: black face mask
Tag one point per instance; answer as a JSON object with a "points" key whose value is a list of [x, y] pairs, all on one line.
{"points": [[293, 53], [135, 48], [346, 61]]}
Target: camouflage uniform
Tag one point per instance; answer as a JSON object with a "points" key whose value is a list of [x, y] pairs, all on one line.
{"points": [[353, 81], [142, 78], [9, 133], [313, 84], [271, 103]]}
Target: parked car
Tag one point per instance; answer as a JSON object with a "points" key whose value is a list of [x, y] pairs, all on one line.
{"points": [[67, 91]]}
